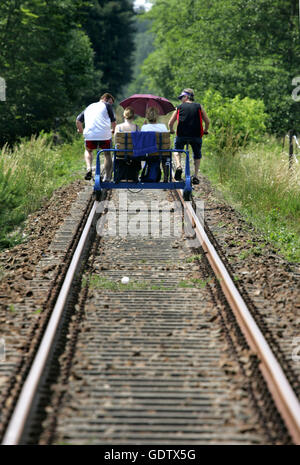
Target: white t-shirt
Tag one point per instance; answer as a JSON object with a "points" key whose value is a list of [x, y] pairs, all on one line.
{"points": [[97, 121], [157, 127]]}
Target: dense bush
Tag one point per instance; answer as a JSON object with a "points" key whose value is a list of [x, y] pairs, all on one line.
{"points": [[234, 123]]}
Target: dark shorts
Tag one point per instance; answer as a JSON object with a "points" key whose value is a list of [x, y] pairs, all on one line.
{"points": [[194, 142], [98, 144]]}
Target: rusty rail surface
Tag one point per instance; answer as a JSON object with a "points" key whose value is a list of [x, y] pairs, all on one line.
{"points": [[281, 390]]}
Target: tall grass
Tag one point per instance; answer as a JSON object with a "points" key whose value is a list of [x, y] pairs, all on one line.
{"points": [[257, 179], [29, 173]]}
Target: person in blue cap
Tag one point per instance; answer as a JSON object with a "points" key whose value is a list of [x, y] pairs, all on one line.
{"points": [[189, 116]]}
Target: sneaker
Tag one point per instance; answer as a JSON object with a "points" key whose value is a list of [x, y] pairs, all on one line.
{"points": [[178, 174], [88, 175], [195, 180]]}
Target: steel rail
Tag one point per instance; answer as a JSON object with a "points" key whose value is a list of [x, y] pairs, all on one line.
{"points": [[21, 412], [280, 388], [283, 394]]}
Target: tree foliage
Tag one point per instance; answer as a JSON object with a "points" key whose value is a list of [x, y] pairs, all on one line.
{"points": [[110, 26], [245, 47], [236, 121], [143, 44], [53, 64]]}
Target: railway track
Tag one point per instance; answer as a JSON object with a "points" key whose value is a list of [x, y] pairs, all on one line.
{"points": [[166, 358]]}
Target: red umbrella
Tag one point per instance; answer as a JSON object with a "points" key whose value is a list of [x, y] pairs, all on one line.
{"points": [[140, 103]]}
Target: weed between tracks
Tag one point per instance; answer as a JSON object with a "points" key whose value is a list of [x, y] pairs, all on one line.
{"points": [[195, 283], [100, 282]]}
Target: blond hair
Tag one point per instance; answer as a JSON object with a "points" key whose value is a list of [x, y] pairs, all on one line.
{"points": [[128, 113], [189, 91], [152, 114]]}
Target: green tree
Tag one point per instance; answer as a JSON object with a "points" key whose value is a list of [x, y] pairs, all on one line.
{"points": [[110, 27], [143, 41], [40, 63], [244, 47]]}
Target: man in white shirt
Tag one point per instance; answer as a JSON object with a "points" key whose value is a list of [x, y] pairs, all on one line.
{"points": [[99, 125]]}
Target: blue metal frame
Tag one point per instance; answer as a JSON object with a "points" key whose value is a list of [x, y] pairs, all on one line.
{"points": [[185, 185]]}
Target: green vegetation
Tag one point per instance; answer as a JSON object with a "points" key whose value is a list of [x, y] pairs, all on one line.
{"points": [[241, 47], [57, 57], [193, 258], [257, 180], [240, 58], [110, 26], [195, 282], [143, 42], [235, 121], [29, 174], [100, 282]]}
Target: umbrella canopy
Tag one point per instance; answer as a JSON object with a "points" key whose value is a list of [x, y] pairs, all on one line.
{"points": [[140, 103]]}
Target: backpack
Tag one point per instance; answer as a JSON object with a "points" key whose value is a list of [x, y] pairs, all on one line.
{"points": [[151, 171], [127, 170]]}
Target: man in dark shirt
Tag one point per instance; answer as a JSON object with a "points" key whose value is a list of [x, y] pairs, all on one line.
{"points": [[189, 116]]}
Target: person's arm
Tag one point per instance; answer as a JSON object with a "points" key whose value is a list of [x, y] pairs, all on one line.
{"points": [[113, 126], [79, 126], [79, 122], [205, 119], [172, 121], [112, 117]]}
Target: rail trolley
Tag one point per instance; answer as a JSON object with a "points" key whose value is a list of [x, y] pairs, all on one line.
{"points": [[124, 150]]}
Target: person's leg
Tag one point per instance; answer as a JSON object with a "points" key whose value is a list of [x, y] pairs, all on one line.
{"points": [[196, 146], [107, 166], [177, 159], [197, 166], [88, 156], [166, 168], [179, 144]]}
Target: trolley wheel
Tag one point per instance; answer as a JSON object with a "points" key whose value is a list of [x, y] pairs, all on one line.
{"points": [[187, 195], [97, 195]]}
